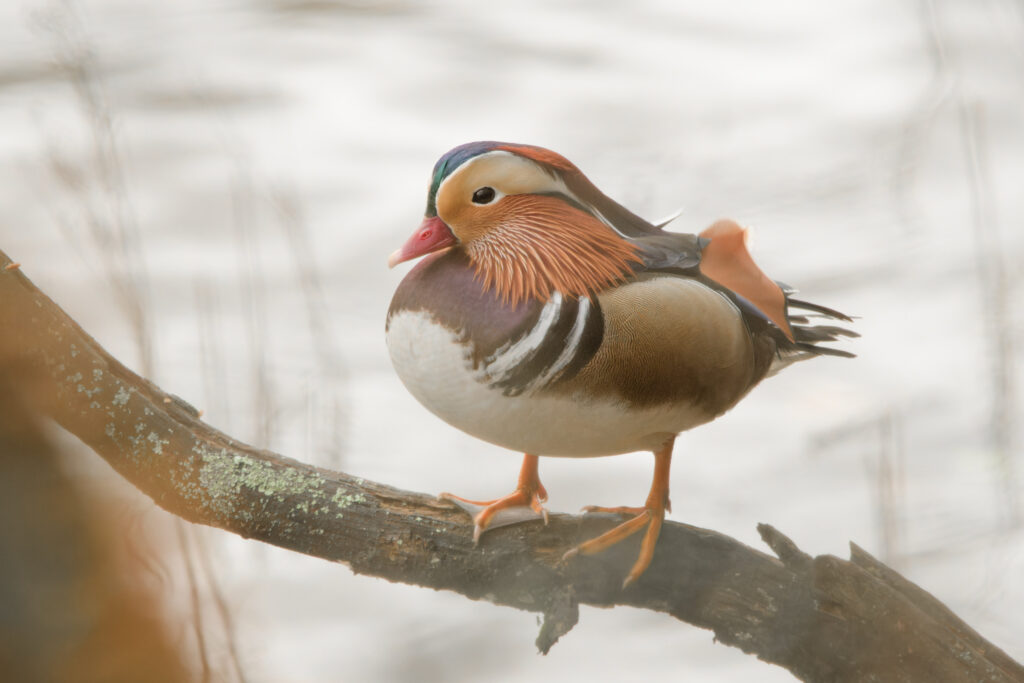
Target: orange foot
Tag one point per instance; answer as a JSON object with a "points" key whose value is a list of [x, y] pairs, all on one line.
{"points": [[650, 517], [529, 493]]}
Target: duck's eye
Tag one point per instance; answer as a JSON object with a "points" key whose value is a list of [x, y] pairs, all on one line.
{"points": [[485, 195]]}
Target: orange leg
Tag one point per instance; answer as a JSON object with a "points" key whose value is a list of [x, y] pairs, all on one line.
{"points": [[529, 493], [650, 517]]}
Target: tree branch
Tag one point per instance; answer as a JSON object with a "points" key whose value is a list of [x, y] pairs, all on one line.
{"points": [[823, 618]]}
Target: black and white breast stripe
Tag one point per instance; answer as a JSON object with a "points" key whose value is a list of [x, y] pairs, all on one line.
{"points": [[564, 337]]}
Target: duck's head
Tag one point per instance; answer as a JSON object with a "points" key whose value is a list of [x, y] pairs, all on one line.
{"points": [[529, 220]]}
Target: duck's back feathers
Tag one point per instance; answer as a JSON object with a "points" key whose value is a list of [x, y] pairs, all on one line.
{"points": [[671, 251]]}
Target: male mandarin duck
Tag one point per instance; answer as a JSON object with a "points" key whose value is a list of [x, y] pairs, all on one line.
{"points": [[551, 320]]}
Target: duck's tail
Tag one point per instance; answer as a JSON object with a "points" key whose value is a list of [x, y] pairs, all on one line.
{"points": [[810, 325]]}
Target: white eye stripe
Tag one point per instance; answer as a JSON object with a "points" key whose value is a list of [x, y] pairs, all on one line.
{"points": [[466, 166], [519, 175], [504, 171]]}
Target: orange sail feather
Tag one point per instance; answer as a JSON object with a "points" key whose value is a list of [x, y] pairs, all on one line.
{"points": [[727, 261]]}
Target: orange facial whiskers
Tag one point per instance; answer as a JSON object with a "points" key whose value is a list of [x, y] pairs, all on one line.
{"points": [[548, 245]]}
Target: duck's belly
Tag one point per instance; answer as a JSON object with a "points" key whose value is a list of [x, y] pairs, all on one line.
{"points": [[434, 366]]}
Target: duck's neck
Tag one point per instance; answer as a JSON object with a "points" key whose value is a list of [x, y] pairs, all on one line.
{"points": [[546, 246]]}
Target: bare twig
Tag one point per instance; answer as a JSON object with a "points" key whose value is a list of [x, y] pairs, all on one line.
{"points": [[197, 606], [220, 604], [113, 227], [321, 332], [254, 302], [995, 305]]}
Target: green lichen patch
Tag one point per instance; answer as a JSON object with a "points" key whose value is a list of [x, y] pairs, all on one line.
{"points": [[224, 475], [144, 446], [121, 397], [344, 498], [89, 393], [156, 443]]}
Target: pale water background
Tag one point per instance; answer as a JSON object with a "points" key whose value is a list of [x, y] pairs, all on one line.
{"points": [[262, 158]]}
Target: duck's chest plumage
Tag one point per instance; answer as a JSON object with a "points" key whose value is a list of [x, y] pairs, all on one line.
{"points": [[570, 376]]}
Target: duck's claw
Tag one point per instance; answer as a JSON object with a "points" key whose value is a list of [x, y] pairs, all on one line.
{"points": [[511, 509], [522, 505], [648, 517]]}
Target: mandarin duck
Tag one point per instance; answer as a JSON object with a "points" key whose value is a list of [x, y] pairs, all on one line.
{"points": [[548, 319]]}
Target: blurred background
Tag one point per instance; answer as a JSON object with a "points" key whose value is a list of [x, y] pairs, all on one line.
{"points": [[211, 189]]}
